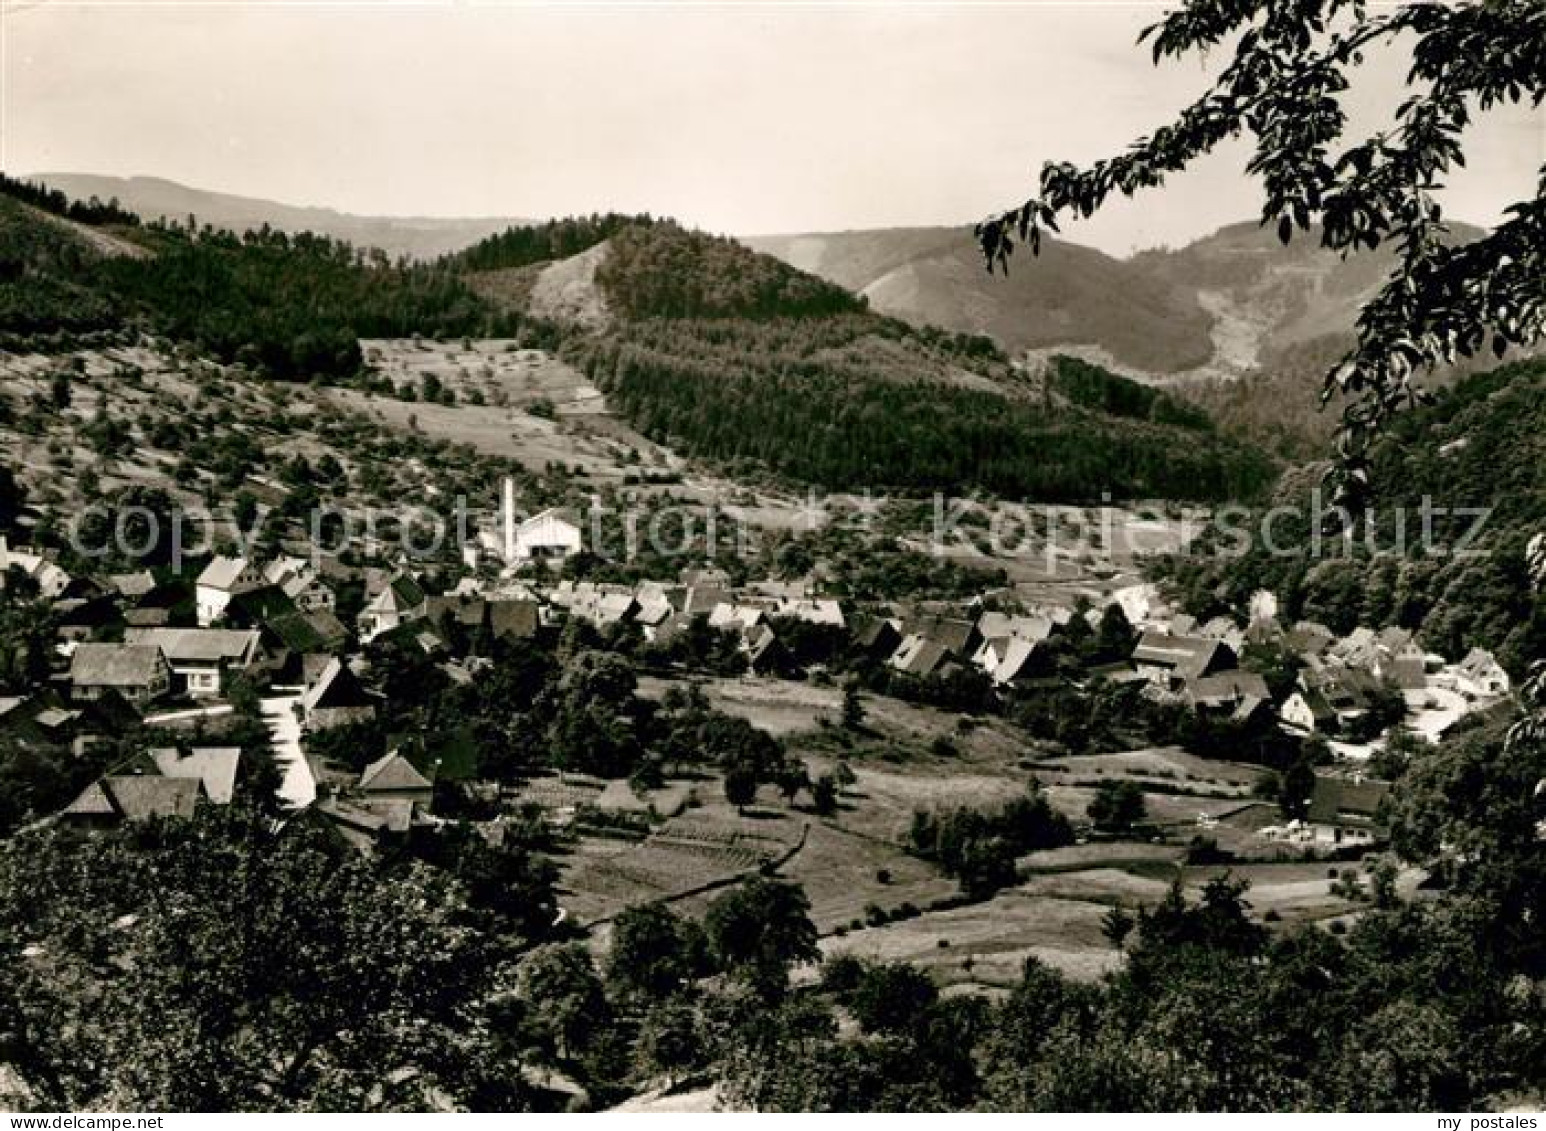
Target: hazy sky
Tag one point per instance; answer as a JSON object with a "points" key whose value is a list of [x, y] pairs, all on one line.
{"points": [[750, 118]]}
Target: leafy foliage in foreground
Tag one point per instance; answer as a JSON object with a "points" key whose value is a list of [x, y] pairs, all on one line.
{"points": [[1291, 60], [221, 965]]}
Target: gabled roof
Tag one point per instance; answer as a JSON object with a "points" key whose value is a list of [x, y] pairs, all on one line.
{"points": [[1345, 688], [1227, 687], [870, 631], [815, 610], [223, 572], [337, 687], [399, 595], [115, 665], [136, 797], [1186, 656], [147, 617], [51, 718], [514, 618], [727, 615], [1409, 673], [761, 644], [653, 611], [92, 802], [1032, 628], [1342, 800], [286, 570], [1310, 638], [463, 610], [315, 631], [1320, 710], [199, 645], [1480, 662], [703, 598], [214, 767], [951, 634], [132, 584], [1016, 657], [392, 772], [919, 655], [564, 515], [1392, 638]]}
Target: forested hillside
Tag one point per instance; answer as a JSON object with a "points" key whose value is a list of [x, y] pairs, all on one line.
{"points": [[293, 305], [1479, 451], [735, 357], [543, 243], [727, 354]]}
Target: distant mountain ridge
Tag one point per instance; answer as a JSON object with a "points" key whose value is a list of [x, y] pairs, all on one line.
{"points": [[1224, 306], [1071, 295], [418, 237], [1232, 304]]}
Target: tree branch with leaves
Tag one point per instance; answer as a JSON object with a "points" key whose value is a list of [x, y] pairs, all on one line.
{"points": [[1292, 59]]}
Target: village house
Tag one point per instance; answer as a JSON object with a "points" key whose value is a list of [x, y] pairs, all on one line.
{"points": [[201, 659], [393, 789], [1330, 697], [1018, 663], [336, 698], [297, 580], [1403, 665], [652, 609], [131, 797], [1309, 639], [812, 610], [599, 605], [711, 577], [728, 616], [1346, 811], [213, 767], [1307, 710], [222, 579], [42, 720], [131, 586], [1228, 692], [765, 654], [1481, 676], [513, 618], [300, 633], [51, 581], [138, 672], [920, 656], [996, 625], [1224, 629], [876, 637], [958, 637], [400, 601], [550, 536], [1169, 660]]}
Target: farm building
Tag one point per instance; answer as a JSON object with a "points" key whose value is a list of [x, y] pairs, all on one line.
{"points": [[138, 672], [552, 535], [201, 658], [222, 579]]}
